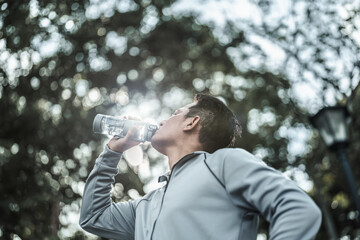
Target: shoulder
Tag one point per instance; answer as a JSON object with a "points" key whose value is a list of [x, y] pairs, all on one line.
{"points": [[237, 154], [231, 159], [233, 163]]}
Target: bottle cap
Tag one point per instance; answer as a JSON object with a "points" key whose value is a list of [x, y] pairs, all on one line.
{"points": [[97, 123]]}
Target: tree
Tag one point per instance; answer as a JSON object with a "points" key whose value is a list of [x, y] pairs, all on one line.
{"points": [[65, 61], [62, 64]]}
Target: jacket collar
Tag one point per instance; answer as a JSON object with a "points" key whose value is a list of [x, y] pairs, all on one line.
{"points": [[179, 164], [185, 159]]}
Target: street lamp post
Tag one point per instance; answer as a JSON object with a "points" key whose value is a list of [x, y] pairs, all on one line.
{"points": [[332, 123]]}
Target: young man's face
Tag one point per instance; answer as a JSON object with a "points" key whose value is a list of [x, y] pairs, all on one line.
{"points": [[171, 130]]}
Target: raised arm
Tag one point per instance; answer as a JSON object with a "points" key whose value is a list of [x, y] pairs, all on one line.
{"points": [[99, 215]]}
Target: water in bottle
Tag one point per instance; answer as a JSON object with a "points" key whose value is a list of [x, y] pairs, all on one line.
{"points": [[119, 127]]}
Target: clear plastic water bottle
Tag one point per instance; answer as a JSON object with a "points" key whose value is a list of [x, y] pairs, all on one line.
{"points": [[118, 127]]}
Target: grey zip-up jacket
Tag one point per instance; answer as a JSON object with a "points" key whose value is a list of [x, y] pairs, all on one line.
{"points": [[207, 196]]}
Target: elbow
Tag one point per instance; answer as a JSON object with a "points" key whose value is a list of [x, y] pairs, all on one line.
{"points": [[314, 216], [85, 220], [89, 221], [317, 216], [87, 225]]}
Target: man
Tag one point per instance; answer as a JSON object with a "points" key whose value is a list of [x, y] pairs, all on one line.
{"points": [[212, 192]]}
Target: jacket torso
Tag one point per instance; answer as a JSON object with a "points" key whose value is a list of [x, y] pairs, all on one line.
{"points": [[194, 199], [207, 196]]}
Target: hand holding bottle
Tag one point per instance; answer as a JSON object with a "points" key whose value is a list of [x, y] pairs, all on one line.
{"points": [[120, 145], [114, 126], [127, 131]]}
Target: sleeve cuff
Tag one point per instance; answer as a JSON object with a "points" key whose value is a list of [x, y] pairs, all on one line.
{"points": [[109, 157]]}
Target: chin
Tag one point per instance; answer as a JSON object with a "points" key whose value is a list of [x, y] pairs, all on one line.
{"points": [[158, 145]]}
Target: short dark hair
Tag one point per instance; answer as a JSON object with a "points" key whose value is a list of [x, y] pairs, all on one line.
{"points": [[219, 126]]}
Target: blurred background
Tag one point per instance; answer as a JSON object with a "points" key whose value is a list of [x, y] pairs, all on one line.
{"points": [[274, 63]]}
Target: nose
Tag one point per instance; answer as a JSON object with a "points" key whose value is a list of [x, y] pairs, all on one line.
{"points": [[162, 123]]}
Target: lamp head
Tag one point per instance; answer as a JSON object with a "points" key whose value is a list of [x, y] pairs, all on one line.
{"points": [[332, 123]]}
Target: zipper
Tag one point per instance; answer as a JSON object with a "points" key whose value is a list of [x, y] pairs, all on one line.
{"points": [[185, 158], [162, 201]]}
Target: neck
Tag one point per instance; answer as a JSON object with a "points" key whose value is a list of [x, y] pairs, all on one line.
{"points": [[175, 154], [176, 157]]}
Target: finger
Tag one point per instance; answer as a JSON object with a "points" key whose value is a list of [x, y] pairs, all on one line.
{"points": [[114, 138], [112, 141], [131, 134]]}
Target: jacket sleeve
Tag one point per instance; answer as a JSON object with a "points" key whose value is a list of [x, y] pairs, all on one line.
{"points": [[252, 185], [99, 215]]}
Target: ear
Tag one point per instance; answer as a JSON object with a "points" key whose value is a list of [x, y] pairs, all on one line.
{"points": [[191, 123]]}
